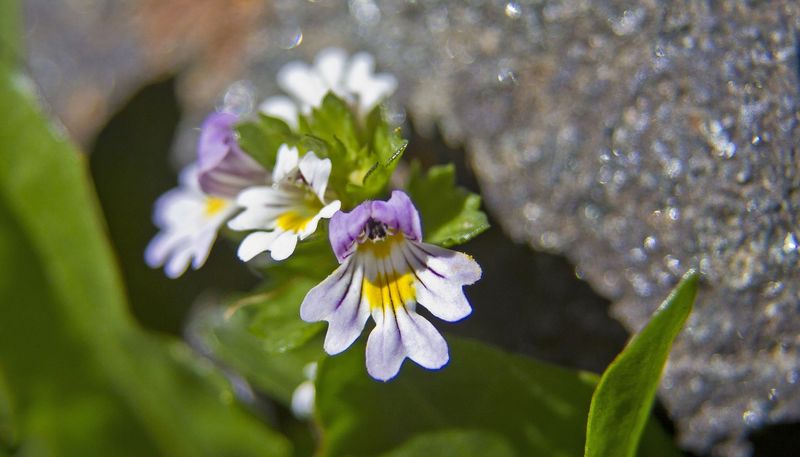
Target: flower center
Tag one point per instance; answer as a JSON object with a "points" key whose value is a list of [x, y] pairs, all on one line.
{"points": [[376, 231], [214, 205]]}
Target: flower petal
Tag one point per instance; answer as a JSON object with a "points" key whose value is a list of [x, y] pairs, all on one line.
{"points": [[347, 320], [323, 299], [399, 213], [254, 244], [178, 261], [329, 65], [316, 172], [285, 163], [282, 108], [345, 227], [440, 280], [385, 349], [423, 343], [283, 246]]}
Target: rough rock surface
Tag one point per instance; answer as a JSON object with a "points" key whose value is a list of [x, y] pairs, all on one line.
{"points": [[638, 139]]}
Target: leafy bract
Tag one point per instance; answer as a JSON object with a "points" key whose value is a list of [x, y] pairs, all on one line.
{"points": [[450, 214], [621, 405], [261, 137], [85, 380]]}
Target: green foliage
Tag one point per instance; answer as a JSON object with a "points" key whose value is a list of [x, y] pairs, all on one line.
{"points": [[450, 214], [463, 443], [261, 138], [277, 374], [533, 407], [621, 405], [274, 316], [82, 378]]}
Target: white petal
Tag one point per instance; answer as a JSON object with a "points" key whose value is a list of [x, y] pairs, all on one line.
{"points": [[330, 209], [423, 343], [348, 318], [159, 248], [439, 289], [256, 218], [302, 83], [283, 246], [179, 261], [254, 244], [285, 164], [455, 265], [281, 107], [385, 350], [316, 172], [201, 247], [322, 300], [329, 65], [378, 89]]}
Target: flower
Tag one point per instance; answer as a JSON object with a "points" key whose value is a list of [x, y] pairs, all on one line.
{"points": [[353, 80], [188, 220], [190, 216], [224, 169], [289, 210], [386, 270]]}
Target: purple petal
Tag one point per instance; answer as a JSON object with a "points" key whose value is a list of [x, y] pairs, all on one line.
{"points": [[345, 227], [400, 214], [224, 169]]}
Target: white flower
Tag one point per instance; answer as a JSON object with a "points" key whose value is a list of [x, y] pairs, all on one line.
{"points": [[188, 220], [287, 211], [354, 80], [385, 271]]}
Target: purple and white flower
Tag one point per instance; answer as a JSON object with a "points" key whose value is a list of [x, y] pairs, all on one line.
{"points": [[190, 216], [287, 211], [352, 79], [385, 271], [188, 220]]}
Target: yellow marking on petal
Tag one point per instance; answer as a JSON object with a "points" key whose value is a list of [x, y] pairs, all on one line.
{"points": [[293, 221], [382, 248], [214, 205], [390, 289]]}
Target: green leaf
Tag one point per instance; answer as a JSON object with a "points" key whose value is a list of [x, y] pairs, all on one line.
{"points": [[450, 214], [274, 316], [262, 137], [333, 121], [463, 443], [228, 339], [86, 380], [623, 399], [536, 408]]}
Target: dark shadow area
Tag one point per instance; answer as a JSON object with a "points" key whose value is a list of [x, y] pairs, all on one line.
{"points": [[131, 169], [781, 440]]}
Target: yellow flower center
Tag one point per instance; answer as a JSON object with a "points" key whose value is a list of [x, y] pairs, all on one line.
{"points": [[390, 288], [214, 205], [298, 218]]}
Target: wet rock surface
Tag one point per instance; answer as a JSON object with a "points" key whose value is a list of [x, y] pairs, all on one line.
{"points": [[636, 139]]}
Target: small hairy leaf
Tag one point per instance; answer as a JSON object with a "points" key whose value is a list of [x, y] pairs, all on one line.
{"points": [[261, 138], [623, 399], [450, 214]]}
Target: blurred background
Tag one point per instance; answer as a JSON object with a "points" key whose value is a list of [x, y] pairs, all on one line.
{"points": [[616, 145]]}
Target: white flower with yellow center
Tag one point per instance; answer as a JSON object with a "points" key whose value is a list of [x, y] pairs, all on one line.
{"points": [[188, 220], [287, 211], [190, 216], [385, 271], [352, 79]]}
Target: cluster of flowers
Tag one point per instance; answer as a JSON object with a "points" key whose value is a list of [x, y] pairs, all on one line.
{"points": [[385, 268]]}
